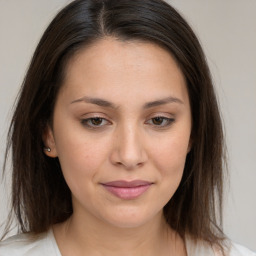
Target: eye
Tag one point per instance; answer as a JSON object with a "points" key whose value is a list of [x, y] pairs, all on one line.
{"points": [[161, 121], [94, 122]]}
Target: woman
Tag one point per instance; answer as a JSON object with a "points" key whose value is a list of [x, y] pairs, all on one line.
{"points": [[117, 144]]}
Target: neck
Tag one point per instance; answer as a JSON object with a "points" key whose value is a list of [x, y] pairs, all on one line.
{"points": [[100, 238]]}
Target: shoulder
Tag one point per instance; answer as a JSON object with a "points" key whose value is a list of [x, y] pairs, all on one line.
{"points": [[233, 249], [28, 244], [239, 250], [203, 248]]}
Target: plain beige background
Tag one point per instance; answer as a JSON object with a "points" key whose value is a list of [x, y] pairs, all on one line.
{"points": [[227, 30]]}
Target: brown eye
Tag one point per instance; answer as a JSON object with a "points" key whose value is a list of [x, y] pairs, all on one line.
{"points": [[157, 120], [161, 121], [94, 122]]}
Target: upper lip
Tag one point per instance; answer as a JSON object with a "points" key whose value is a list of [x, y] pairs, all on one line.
{"points": [[127, 184]]}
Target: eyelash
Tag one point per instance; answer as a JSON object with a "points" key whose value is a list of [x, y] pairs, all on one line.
{"points": [[85, 122], [168, 122]]}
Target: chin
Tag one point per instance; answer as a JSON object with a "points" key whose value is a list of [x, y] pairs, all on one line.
{"points": [[130, 218]]}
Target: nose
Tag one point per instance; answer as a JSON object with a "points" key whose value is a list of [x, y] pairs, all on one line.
{"points": [[128, 148]]}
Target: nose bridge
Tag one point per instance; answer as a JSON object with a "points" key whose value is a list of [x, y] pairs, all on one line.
{"points": [[129, 147]]}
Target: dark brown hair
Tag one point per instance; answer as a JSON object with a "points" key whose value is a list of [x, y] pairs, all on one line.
{"points": [[41, 196]]}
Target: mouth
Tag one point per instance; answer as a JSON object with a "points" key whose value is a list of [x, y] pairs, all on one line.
{"points": [[127, 189]]}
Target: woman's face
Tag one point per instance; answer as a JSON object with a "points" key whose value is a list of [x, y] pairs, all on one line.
{"points": [[121, 131]]}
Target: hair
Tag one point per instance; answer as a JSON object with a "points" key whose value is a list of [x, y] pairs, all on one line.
{"points": [[40, 195]]}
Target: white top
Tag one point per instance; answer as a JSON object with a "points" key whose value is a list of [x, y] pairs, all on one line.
{"points": [[45, 245]]}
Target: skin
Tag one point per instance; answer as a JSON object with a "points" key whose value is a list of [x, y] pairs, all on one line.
{"points": [[128, 143]]}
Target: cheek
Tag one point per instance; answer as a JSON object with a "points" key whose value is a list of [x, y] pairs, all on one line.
{"points": [[169, 156], [80, 165], [168, 159], [80, 158]]}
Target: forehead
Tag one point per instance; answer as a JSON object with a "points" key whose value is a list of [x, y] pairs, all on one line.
{"points": [[110, 66], [117, 54]]}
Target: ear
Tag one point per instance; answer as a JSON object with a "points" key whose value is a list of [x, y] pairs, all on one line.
{"points": [[49, 142]]}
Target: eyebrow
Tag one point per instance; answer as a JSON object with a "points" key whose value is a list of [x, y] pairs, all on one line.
{"points": [[105, 103]]}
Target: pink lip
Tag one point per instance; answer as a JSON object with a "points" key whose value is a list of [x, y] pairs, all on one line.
{"points": [[127, 189]]}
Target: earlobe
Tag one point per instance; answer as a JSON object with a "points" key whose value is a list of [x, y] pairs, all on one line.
{"points": [[49, 143]]}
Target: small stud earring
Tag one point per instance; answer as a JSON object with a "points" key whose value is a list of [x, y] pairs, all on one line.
{"points": [[47, 149]]}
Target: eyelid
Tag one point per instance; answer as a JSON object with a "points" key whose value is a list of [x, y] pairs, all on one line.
{"points": [[85, 120], [94, 115], [169, 121]]}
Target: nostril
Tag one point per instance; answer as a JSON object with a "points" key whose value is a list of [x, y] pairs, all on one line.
{"points": [[128, 152], [129, 166]]}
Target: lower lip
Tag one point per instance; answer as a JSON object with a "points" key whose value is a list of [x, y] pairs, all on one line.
{"points": [[127, 193]]}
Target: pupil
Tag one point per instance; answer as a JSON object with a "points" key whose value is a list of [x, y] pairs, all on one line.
{"points": [[96, 121], [157, 120]]}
